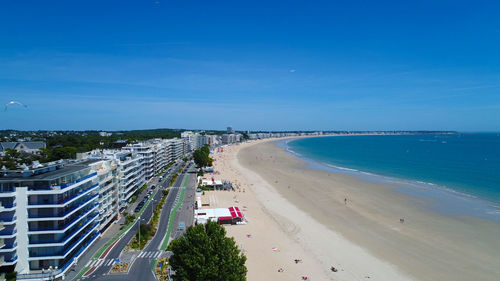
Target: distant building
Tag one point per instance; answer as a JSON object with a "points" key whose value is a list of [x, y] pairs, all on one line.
{"points": [[193, 140], [27, 147], [105, 134], [230, 130]]}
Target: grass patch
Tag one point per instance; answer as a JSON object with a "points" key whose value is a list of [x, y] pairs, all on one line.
{"points": [[148, 231]]}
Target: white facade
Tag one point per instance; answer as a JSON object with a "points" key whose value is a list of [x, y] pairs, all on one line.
{"points": [[193, 140], [108, 191], [50, 215], [157, 153], [147, 151]]}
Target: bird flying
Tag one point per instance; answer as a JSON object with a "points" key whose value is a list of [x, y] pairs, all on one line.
{"points": [[12, 103]]}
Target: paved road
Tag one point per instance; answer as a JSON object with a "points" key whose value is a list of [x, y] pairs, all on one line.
{"points": [[142, 267], [186, 210], [105, 265]]}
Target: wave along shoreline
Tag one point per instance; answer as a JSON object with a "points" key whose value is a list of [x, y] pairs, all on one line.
{"points": [[449, 201]]}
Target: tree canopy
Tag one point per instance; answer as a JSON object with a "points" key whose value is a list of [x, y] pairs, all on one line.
{"points": [[202, 158], [205, 253]]}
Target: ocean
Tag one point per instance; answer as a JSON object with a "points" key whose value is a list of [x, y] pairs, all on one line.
{"points": [[462, 171]]}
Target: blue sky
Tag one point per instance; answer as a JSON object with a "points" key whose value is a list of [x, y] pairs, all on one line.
{"points": [[258, 65]]}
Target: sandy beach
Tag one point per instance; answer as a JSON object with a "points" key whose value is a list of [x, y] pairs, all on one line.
{"points": [[294, 212]]}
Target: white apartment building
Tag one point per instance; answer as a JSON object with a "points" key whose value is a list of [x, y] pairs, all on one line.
{"points": [[157, 153], [193, 140], [121, 175], [49, 216], [177, 148], [231, 138], [107, 170], [130, 174], [51, 213], [148, 153]]}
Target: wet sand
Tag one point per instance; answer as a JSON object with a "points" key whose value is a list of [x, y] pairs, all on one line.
{"points": [[302, 212]]}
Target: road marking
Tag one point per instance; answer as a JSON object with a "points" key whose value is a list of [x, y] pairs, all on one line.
{"points": [[88, 263], [158, 254], [109, 263], [93, 262], [140, 255]]}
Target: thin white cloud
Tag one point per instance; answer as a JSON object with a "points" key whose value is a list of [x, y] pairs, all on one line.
{"points": [[292, 70]]}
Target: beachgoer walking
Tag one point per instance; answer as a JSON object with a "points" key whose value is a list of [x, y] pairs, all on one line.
{"points": [[345, 201]]}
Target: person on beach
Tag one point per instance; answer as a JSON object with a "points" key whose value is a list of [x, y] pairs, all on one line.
{"points": [[345, 201]]}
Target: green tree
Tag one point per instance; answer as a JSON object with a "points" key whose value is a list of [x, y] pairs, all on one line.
{"points": [[11, 276], [205, 253], [202, 157]]}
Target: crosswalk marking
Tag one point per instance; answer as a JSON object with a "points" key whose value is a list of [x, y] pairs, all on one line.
{"points": [[149, 254], [100, 262]]}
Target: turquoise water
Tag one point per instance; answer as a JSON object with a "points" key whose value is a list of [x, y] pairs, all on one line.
{"points": [[466, 163]]}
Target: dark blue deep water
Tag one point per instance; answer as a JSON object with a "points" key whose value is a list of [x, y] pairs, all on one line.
{"points": [[467, 163]]}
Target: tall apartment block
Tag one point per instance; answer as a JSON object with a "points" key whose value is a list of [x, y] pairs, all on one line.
{"points": [[147, 152], [50, 215], [107, 171]]}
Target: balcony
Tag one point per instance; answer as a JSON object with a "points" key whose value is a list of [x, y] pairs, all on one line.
{"points": [[62, 202], [9, 249], [7, 192], [7, 221], [104, 188], [62, 215], [58, 273], [63, 240], [61, 254], [8, 207], [66, 226], [6, 262], [58, 189], [8, 234]]}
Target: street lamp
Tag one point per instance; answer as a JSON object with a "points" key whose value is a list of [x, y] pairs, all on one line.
{"points": [[139, 232], [152, 207]]}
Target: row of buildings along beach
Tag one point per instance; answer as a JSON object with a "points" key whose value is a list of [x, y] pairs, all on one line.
{"points": [[51, 213]]}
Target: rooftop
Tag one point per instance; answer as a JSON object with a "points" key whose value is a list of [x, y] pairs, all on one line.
{"points": [[46, 172]]}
